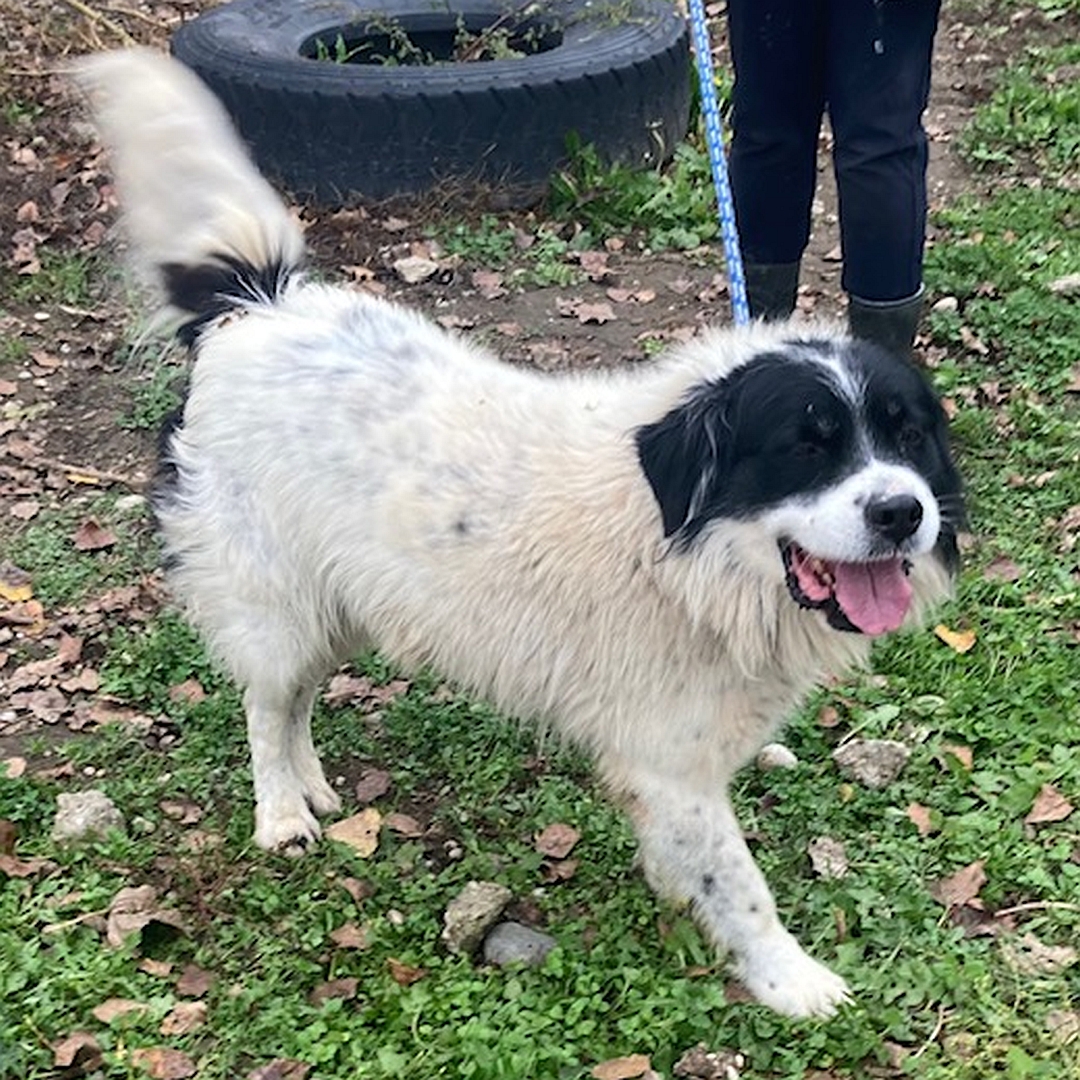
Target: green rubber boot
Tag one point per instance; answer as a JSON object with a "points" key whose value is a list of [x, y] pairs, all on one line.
{"points": [[890, 323], [771, 289]]}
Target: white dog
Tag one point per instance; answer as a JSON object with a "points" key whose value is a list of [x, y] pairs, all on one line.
{"points": [[658, 563]]}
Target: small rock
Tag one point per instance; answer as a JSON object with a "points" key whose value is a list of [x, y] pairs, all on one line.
{"points": [[875, 763], [514, 943], [947, 305], [413, 269], [81, 814], [471, 913], [1069, 285], [827, 857], [775, 755]]}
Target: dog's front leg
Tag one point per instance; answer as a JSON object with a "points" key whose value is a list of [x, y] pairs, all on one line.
{"points": [[693, 850], [283, 819]]}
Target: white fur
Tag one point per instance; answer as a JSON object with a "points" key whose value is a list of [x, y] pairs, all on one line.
{"points": [[352, 475]]}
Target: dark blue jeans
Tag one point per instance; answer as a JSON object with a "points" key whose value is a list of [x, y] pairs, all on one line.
{"points": [[868, 63]]}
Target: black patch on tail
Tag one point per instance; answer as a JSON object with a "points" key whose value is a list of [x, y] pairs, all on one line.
{"points": [[218, 285]]}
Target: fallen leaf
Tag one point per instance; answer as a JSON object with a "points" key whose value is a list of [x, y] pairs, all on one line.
{"points": [[343, 989], [15, 585], [972, 342], [961, 888], [134, 908], [163, 1063], [185, 1017], [960, 641], [9, 833], [189, 691], [14, 767], [1002, 568], [555, 870], [404, 974], [79, 1050], [182, 811], [13, 866], [357, 889], [622, 1068], [91, 535], [25, 509], [373, 784], [160, 969], [489, 284], [195, 981], [595, 313], [359, 832], [404, 825], [556, 841], [111, 1008], [349, 936], [280, 1069], [919, 816], [963, 754], [1050, 805]]}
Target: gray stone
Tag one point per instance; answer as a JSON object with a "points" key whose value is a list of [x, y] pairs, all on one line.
{"points": [[81, 814], [513, 943], [775, 755], [470, 914], [875, 763]]}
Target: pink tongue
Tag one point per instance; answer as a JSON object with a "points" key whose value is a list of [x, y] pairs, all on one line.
{"points": [[874, 596]]}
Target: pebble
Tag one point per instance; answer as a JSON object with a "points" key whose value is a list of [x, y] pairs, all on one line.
{"points": [[775, 755], [470, 914], [81, 814], [875, 763], [515, 943]]}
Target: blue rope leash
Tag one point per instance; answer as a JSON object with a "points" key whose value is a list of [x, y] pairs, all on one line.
{"points": [[714, 140]]}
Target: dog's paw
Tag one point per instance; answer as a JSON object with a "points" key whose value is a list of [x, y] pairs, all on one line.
{"points": [[288, 830], [782, 976]]}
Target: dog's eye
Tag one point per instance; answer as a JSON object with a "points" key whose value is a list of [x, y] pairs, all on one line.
{"points": [[912, 438], [808, 450]]}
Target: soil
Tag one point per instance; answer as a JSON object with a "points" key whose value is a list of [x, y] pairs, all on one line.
{"points": [[66, 368]]}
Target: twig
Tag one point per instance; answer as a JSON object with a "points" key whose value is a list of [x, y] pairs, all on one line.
{"points": [[158, 24], [1037, 905], [101, 20], [103, 475], [932, 1038]]}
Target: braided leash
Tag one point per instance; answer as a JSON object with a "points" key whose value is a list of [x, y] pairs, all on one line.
{"points": [[714, 140]]}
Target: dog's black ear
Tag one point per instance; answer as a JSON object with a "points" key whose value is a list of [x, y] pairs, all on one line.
{"points": [[680, 456]]}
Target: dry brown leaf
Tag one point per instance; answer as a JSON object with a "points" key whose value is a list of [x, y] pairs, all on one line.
{"points": [[404, 974], [111, 1008], [359, 832], [555, 870], [280, 1069], [344, 989], [186, 1016], [79, 1050], [15, 585], [195, 981], [961, 888], [1002, 568], [91, 535], [919, 816], [556, 841], [9, 833], [963, 754], [373, 784], [134, 908], [404, 825], [357, 889], [182, 811], [1030, 956], [598, 313], [960, 641], [489, 284], [14, 767], [163, 1063], [1049, 806], [349, 936], [189, 691], [14, 867], [622, 1068]]}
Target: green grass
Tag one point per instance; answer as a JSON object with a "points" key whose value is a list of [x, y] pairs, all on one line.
{"points": [[64, 278], [630, 975]]}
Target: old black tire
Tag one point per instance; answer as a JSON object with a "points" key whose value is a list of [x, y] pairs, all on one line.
{"points": [[617, 77]]}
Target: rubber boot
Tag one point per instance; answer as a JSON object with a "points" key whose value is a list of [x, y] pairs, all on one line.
{"points": [[888, 323], [771, 288]]}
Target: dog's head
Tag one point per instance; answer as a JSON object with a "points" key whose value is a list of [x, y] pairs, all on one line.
{"points": [[836, 452]]}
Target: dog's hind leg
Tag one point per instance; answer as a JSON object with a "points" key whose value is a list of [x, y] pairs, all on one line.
{"points": [[320, 796], [693, 850]]}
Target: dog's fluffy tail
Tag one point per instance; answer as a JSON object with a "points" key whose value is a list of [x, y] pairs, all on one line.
{"points": [[205, 227]]}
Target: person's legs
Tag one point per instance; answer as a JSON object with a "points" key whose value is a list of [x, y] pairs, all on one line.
{"points": [[878, 82], [777, 49]]}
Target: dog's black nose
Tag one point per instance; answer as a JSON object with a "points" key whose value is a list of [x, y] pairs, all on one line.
{"points": [[895, 517]]}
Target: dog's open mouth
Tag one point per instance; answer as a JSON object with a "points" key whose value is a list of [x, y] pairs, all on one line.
{"points": [[864, 597]]}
